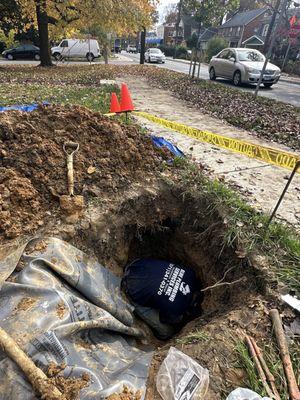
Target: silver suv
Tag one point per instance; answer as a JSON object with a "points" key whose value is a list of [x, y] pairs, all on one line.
{"points": [[242, 65]]}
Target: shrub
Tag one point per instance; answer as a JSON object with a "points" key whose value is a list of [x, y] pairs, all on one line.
{"points": [[192, 41], [169, 51], [293, 67], [181, 52], [214, 46]]}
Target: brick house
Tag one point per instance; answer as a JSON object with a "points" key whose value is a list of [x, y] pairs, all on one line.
{"points": [[187, 27], [244, 25], [257, 40]]}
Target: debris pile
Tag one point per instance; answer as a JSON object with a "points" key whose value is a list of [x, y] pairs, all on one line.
{"points": [[33, 173]]}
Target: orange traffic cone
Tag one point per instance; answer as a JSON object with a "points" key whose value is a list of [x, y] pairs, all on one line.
{"points": [[126, 102], [114, 104]]}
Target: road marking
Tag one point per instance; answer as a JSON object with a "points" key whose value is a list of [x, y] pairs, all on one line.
{"points": [[252, 150]]}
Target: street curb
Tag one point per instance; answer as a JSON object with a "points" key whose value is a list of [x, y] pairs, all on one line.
{"points": [[178, 60], [289, 81]]}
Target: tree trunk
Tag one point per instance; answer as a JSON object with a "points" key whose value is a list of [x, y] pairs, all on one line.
{"points": [[143, 46], [178, 19], [105, 53], [270, 30], [42, 20]]}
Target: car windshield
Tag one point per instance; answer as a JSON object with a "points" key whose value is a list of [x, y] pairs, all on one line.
{"points": [[250, 55], [156, 51]]}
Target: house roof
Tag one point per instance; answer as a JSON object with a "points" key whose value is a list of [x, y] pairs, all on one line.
{"points": [[243, 18], [255, 39], [208, 34]]}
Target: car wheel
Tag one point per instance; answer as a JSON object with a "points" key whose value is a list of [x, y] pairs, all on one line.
{"points": [[9, 57], [268, 84], [90, 57], [237, 78], [212, 74], [37, 57]]}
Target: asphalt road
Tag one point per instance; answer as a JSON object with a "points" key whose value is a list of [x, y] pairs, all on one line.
{"points": [[283, 91]]}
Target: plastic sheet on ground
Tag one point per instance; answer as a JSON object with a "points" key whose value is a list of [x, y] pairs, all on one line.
{"points": [[63, 307], [21, 107], [162, 142], [181, 378], [245, 394]]}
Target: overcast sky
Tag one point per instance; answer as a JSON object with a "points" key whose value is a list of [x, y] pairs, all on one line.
{"points": [[163, 4]]}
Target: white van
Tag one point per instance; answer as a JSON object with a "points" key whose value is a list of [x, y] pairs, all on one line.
{"points": [[68, 48]]}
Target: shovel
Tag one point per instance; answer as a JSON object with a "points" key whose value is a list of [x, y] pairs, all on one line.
{"points": [[72, 205]]}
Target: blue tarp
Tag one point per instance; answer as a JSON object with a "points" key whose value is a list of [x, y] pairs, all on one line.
{"points": [[21, 107], [161, 142]]}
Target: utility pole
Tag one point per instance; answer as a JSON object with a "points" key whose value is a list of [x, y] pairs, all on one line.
{"points": [[273, 29], [143, 45]]}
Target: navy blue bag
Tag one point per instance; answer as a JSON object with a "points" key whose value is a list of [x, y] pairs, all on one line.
{"points": [[173, 290]]}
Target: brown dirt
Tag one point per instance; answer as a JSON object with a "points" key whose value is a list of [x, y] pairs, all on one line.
{"points": [[69, 387], [60, 310], [169, 222], [127, 394], [25, 304], [33, 164]]}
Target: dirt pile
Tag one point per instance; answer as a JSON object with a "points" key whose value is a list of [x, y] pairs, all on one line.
{"points": [[33, 170], [126, 394], [70, 387]]}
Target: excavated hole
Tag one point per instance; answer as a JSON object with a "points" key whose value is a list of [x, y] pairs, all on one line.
{"points": [[183, 229]]}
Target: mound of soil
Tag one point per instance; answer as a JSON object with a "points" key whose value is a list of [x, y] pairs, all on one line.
{"points": [[33, 171]]}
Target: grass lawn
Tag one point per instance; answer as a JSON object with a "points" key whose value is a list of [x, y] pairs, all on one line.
{"points": [[94, 98], [267, 118]]}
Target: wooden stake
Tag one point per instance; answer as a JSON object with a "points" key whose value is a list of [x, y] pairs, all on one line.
{"points": [[36, 376], [285, 355], [269, 376], [259, 367]]}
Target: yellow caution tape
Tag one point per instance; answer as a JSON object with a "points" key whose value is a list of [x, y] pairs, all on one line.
{"points": [[266, 154]]}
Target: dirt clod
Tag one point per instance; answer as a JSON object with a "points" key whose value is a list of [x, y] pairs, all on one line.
{"points": [[25, 304], [60, 310], [126, 394], [69, 387]]}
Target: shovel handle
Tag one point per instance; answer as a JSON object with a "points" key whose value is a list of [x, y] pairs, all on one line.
{"points": [[70, 174], [70, 148]]}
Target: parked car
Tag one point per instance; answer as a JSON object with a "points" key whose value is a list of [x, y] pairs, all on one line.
{"points": [[243, 65], [131, 49], [24, 52], [155, 55], [77, 48]]}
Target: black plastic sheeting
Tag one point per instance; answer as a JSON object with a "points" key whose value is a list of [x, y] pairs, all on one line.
{"points": [[63, 307]]}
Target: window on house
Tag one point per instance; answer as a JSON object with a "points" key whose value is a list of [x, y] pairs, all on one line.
{"points": [[265, 30], [238, 31], [230, 31]]}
